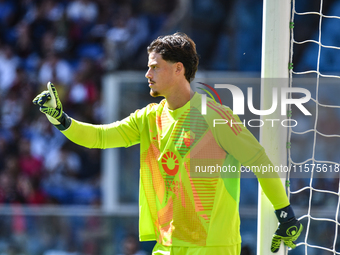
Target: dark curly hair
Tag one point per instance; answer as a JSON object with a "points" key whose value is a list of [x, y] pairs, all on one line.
{"points": [[177, 47]]}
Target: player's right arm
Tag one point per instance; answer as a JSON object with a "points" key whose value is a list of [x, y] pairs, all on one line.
{"points": [[118, 134], [113, 135]]}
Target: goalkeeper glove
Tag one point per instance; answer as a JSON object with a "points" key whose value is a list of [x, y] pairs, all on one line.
{"points": [[289, 229], [50, 104]]}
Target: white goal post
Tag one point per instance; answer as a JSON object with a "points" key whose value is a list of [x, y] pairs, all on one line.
{"points": [[275, 61]]}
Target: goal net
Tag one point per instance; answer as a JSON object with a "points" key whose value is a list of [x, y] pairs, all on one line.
{"points": [[314, 143]]}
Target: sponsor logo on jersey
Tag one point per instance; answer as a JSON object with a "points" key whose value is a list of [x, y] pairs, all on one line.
{"points": [[170, 163]]}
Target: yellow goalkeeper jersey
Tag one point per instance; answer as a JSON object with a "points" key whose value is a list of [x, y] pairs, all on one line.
{"points": [[182, 202]]}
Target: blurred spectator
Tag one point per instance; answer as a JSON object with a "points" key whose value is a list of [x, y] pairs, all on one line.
{"points": [[52, 9], [12, 110], [125, 37], [157, 12], [7, 10], [82, 16], [84, 89], [8, 65], [62, 180], [26, 48], [55, 69], [39, 24], [30, 191], [45, 138], [48, 42], [90, 166], [8, 181], [24, 89], [246, 250], [82, 11], [29, 166], [130, 246], [3, 151], [63, 166], [24, 45], [205, 30], [94, 233], [178, 19]]}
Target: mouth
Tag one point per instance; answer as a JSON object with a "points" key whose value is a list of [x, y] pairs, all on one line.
{"points": [[151, 83]]}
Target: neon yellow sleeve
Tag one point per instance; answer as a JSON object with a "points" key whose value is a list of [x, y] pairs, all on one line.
{"points": [[122, 133], [238, 141], [274, 191], [272, 186]]}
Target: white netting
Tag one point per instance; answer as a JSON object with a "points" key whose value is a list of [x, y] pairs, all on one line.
{"points": [[314, 144]]}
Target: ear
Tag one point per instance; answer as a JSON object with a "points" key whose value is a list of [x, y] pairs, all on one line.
{"points": [[179, 68]]}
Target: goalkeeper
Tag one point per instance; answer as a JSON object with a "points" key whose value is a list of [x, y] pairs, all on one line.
{"points": [[185, 215]]}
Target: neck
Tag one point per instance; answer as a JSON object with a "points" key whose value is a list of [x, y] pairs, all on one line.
{"points": [[180, 98]]}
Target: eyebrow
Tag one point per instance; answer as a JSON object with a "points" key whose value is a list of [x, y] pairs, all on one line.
{"points": [[152, 64]]}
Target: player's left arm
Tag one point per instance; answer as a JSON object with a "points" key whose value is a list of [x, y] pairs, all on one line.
{"points": [[238, 141], [289, 228]]}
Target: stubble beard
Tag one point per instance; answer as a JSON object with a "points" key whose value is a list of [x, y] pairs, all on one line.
{"points": [[154, 93]]}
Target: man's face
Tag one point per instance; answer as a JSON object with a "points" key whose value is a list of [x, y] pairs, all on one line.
{"points": [[160, 75]]}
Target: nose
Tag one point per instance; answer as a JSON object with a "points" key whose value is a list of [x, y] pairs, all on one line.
{"points": [[148, 74]]}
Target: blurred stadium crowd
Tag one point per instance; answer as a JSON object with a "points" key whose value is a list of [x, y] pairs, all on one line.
{"points": [[73, 43]]}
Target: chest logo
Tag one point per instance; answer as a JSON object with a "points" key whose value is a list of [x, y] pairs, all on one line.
{"points": [[170, 163], [189, 138]]}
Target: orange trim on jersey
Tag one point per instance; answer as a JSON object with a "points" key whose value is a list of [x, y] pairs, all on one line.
{"points": [[205, 217], [157, 178], [198, 203], [224, 116], [165, 119], [237, 125]]}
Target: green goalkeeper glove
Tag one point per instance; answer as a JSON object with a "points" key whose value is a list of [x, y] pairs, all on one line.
{"points": [[288, 231], [50, 104]]}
